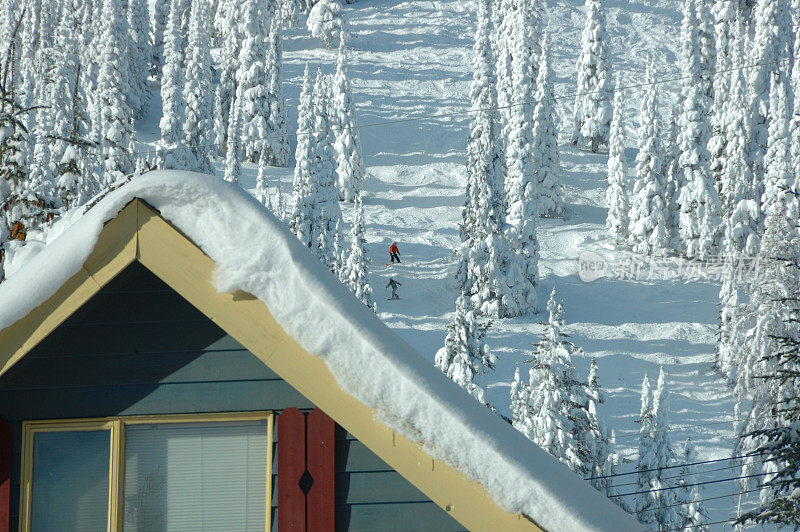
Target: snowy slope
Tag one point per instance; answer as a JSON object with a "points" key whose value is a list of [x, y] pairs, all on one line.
{"points": [[413, 59]]}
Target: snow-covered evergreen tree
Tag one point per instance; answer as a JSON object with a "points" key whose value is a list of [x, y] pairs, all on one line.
{"points": [[699, 221], [498, 266], [299, 221], [771, 363], [160, 18], [560, 418], [355, 272], [706, 39], [349, 163], [140, 55], [316, 204], [520, 394], [691, 512], [251, 79], [226, 88], [771, 50], [233, 151], [465, 354], [654, 506], [598, 440], [198, 124], [112, 86], [325, 21], [673, 177], [592, 107], [546, 160], [71, 154], [649, 216], [724, 13], [276, 143], [794, 126], [617, 199], [172, 153]]}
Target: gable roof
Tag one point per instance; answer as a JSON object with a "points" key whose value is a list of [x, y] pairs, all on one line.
{"points": [[228, 256]]}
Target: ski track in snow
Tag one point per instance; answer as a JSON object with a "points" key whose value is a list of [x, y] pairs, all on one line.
{"points": [[413, 58]]}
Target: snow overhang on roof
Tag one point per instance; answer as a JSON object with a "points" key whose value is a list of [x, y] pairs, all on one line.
{"points": [[238, 264]]}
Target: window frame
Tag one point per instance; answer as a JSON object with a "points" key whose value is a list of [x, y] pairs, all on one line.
{"points": [[116, 471]]}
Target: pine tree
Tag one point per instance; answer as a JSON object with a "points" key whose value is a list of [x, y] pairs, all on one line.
{"points": [[592, 109], [13, 150], [276, 143], [299, 221], [724, 13], [794, 126], [519, 402], [673, 178], [172, 153], [649, 223], [617, 199], [112, 86], [198, 125], [141, 55], [771, 45], [546, 160], [691, 513], [560, 406], [160, 18], [226, 89], [325, 21], [349, 164], [770, 431], [316, 204], [465, 354], [261, 192], [598, 440], [251, 78], [699, 220], [655, 453], [71, 153], [233, 153], [706, 39], [498, 267], [355, 271]]}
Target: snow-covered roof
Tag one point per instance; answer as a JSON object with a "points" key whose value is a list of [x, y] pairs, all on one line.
{"points": [[255, 253]]}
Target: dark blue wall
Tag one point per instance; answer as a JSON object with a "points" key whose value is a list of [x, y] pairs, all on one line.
{"points": [[138, 347]]}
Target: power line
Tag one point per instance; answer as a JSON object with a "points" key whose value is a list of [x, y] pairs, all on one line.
{"points": [[726, 521], [711, 423], [674, 505], [716, 460], [693, 473], [667, 488]]}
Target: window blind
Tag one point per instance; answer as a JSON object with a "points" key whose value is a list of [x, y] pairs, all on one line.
{"points": [[196, 476]]}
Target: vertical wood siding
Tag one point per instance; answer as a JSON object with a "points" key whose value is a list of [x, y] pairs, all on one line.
{"points": [[138, 347]]}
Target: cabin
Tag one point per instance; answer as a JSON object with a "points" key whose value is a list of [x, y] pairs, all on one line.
{"points": [[176, 360]]}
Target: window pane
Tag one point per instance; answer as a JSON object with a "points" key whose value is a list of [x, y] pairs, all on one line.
{"points": [[195, 476], [70, 481]]}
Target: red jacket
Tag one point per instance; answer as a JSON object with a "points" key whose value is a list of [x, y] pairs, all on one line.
{"points": [[393, 249]]}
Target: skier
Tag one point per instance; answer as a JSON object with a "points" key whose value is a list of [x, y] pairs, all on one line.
{"points": [[394, 284], [394, 253]]}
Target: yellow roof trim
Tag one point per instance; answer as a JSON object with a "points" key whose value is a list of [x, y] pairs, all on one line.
{"points": [[139, 233]]}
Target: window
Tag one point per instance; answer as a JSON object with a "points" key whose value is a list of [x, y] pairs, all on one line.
{"points": [[153, 473]]}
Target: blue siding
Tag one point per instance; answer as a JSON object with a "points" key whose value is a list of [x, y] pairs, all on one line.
{"points": [[138, 347]]}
